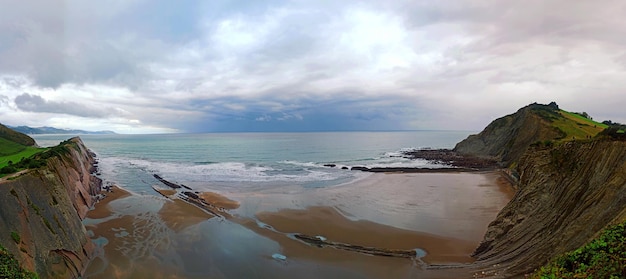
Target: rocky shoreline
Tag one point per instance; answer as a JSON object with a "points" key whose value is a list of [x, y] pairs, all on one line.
{"points": [[454, 159], [449, 160]]}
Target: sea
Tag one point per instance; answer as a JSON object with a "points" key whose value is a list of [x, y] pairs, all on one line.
{"points": [[235, 162], [150, 236]]}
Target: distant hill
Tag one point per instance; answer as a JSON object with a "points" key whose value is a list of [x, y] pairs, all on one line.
{"points": [[10, 135], [508, 137], [52, 130]]}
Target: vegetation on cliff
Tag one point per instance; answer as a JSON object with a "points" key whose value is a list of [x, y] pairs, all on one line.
{"points": [[507, 138], [41, 211], [11, 268], [14, 147], [17, 159], [603, 257]]}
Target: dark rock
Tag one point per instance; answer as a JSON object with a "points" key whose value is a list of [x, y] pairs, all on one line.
{"points": [[313, 240], [167, 183], [453, 158], [191, 195], [330, 165], [359, 168]]}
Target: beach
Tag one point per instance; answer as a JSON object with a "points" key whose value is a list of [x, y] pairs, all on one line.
{"points": [[442, 216]]}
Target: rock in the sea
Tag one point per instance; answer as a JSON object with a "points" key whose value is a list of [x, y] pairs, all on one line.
{"points": [[358, 168], [191, 195], [330, 165]]}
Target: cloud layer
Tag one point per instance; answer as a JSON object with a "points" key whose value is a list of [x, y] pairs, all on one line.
{"points": [[196, 66]]}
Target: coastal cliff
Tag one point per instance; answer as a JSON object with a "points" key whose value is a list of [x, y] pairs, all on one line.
{"points": [[567, 194], [507, 138], [41, 211], [570, 177]]}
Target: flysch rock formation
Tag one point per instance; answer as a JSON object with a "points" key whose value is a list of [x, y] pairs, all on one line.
{"points": [[45, 207], [567, 195]]}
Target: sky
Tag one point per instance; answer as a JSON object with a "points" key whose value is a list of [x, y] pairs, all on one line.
{"points": [[160, 66]]}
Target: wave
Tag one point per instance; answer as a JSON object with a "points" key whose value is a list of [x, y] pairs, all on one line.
{"points": [[394, 159], [225, 171], [127, 170]]}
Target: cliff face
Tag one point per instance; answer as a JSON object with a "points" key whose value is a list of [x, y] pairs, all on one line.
{"points": [[44, 209], [508, 137], [566, 195]]}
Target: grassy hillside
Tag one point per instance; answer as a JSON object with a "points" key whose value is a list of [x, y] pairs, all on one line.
{"points": [[13, 147], [26, 152], [572, 126], [8, 147], [576, 126], [507, 138], [9, 134]]}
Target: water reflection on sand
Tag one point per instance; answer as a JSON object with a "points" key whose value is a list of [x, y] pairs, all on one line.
{"points": [[443, 214]]}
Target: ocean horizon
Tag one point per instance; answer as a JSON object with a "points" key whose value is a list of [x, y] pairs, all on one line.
{"points": [[237, 161]]}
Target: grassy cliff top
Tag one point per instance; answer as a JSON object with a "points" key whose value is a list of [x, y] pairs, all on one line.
{"points": [[572, 126], [14, 147], [576, 126], [508, 137]]}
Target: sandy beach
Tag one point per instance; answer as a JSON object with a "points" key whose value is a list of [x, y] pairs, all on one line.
{"points": [[443, 214]]}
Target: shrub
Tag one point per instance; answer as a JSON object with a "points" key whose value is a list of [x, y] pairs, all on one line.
{"points": [[603, 257], [8, 169], [16, 237], [10, 267]]}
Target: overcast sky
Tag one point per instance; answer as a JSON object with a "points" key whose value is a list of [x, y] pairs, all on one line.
{"points": [[139, 66]]}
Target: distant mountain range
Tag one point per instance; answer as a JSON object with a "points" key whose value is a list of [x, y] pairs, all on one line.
{"points": [[51, 130]]}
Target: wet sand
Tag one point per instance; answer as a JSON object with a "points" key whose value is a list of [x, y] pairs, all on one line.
{"points": [[444, 214], [219, 200], [329, 223], [101, 209]]}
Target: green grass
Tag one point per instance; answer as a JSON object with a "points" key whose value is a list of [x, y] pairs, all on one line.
{"points": [[26, 152], [8, 147], [603, 257], [585, 120], [577, 127]]}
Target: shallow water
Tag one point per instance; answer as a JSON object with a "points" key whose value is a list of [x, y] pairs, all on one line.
{"points": [[381, 210], [149, 236]]}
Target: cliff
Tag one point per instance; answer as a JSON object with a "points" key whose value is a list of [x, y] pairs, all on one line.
{"points": [[507, 138], [41, 212], [567, 194]]}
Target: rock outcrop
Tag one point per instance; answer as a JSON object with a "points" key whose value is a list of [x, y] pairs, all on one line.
{"points": [[41, 212], [508, 137], [567, 194]]}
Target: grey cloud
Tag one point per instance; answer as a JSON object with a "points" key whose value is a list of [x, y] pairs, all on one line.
{"points": [[168, 53], [35, 103], [57, 42]]}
